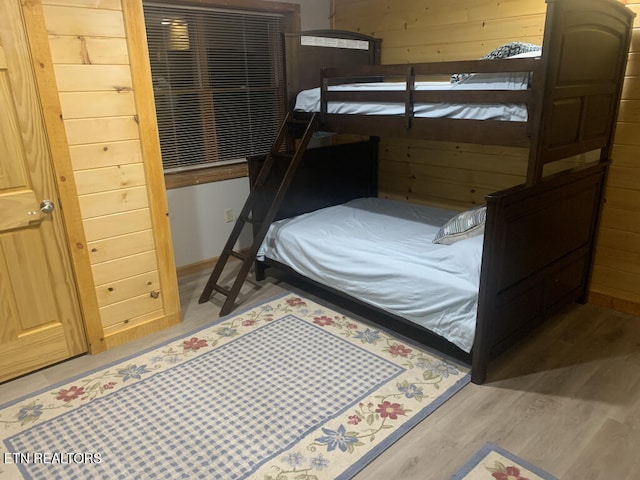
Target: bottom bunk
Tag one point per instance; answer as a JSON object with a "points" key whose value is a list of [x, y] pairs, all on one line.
{"points": [[382, 252], [471, 299]]}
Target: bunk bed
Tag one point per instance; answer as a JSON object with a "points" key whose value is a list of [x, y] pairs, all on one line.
{"points": [[536, 250]]}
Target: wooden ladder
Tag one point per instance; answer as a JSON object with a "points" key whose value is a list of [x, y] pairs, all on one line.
{"points": [[261, 226]]}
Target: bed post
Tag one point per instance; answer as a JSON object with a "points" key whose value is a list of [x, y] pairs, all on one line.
{"points": [[480, 353], [585, 49]]}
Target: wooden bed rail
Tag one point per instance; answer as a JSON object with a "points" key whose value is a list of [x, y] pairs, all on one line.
{"points": [[409, 74], [435, 68]]}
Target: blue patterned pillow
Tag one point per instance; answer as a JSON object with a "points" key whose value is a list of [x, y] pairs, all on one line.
{"points": [[464, 225], [503, 51]]}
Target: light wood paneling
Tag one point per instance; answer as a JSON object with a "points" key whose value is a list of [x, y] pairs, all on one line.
{"points": [[100, 130], [90, 78], [616, 272], [629, 111], [110, 178], [619, 240], [459, 176], [121, 246], [120, 290], [131, 308], [624, 177], [97, 104], [631, 89], [95, 59], [103, 4], [74, 21], [627, 134], [135, 328], [125, 267], [150, 143], [616, 259], [620, 220], [115, 201], [106, 226], [89, 50], [105, 154], [626, 155]]}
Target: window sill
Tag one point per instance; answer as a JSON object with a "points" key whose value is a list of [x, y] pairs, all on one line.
{"points": [[206, 175]]}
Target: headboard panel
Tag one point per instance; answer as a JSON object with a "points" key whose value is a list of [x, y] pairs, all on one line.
{"points": [[307, 53], [585, 45]]}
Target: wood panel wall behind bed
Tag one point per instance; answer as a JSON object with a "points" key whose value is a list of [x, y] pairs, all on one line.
{"points": [[459, 175]]}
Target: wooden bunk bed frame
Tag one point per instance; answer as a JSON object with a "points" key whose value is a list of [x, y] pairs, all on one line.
{"points": [[539, 236]]}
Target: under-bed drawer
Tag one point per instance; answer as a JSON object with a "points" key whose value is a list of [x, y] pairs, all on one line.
{"points": [[565, 282], [522, 306], [515, 314]]}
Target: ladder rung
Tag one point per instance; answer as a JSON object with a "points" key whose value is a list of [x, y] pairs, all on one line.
{"points": [[283, 155], [233, 253], [298, 121], [252, 221], [220, 289]]}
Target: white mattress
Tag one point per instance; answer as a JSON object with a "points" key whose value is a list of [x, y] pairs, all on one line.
{"points": [[309, 100], [381, 251]]}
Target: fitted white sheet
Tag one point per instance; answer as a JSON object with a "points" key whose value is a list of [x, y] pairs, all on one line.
{"points": [[381, 251], [309, 100]]}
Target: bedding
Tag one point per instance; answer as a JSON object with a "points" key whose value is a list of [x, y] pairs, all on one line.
{"points": [[309, 100], [508, 50], [382, 252]]}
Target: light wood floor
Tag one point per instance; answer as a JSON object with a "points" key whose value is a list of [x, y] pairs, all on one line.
{"points": [[567, 401]]}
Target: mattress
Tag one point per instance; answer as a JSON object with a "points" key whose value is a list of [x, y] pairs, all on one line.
{"points": [[309, 100], [381, 252]]}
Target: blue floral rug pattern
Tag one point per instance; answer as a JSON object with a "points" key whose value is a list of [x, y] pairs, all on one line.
{"points": [[287, 389], [494, 463]]}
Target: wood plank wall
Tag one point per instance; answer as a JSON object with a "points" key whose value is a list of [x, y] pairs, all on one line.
{"points": [[133, 273], [459, 175]]}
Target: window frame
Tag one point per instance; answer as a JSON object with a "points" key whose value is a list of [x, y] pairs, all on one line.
{"points": [[226, 171]]}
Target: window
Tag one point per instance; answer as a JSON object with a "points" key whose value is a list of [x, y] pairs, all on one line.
{"points": [[218, 82]]}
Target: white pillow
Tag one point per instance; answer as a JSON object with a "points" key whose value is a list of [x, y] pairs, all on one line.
{"points": [[464, 225]]}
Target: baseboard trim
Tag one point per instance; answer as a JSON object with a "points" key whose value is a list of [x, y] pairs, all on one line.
{"points": [[206, 264], [613, 303]]}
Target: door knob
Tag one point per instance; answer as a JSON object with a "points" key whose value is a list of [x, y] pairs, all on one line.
{"points": [[46, 206]]}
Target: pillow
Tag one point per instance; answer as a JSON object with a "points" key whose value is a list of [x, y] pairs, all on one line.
{"points": [[507, 50], [464, 225]]}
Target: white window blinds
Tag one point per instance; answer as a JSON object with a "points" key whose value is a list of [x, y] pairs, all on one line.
{"points": [[218, 82]]}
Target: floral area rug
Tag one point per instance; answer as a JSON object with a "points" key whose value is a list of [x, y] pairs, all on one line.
{"points": [[285, 390], [494, 463]]}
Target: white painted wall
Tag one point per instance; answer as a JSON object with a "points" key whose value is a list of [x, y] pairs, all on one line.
{"points": [[314, 14], [196, 213]]}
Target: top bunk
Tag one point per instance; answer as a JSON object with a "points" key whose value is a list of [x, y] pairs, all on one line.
{"points": [[560, 102]]}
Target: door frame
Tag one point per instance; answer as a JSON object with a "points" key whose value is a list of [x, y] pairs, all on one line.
{"points": [[37, 37]]}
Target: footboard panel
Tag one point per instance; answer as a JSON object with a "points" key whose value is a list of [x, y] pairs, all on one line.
{"points": [[538, 247]]}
